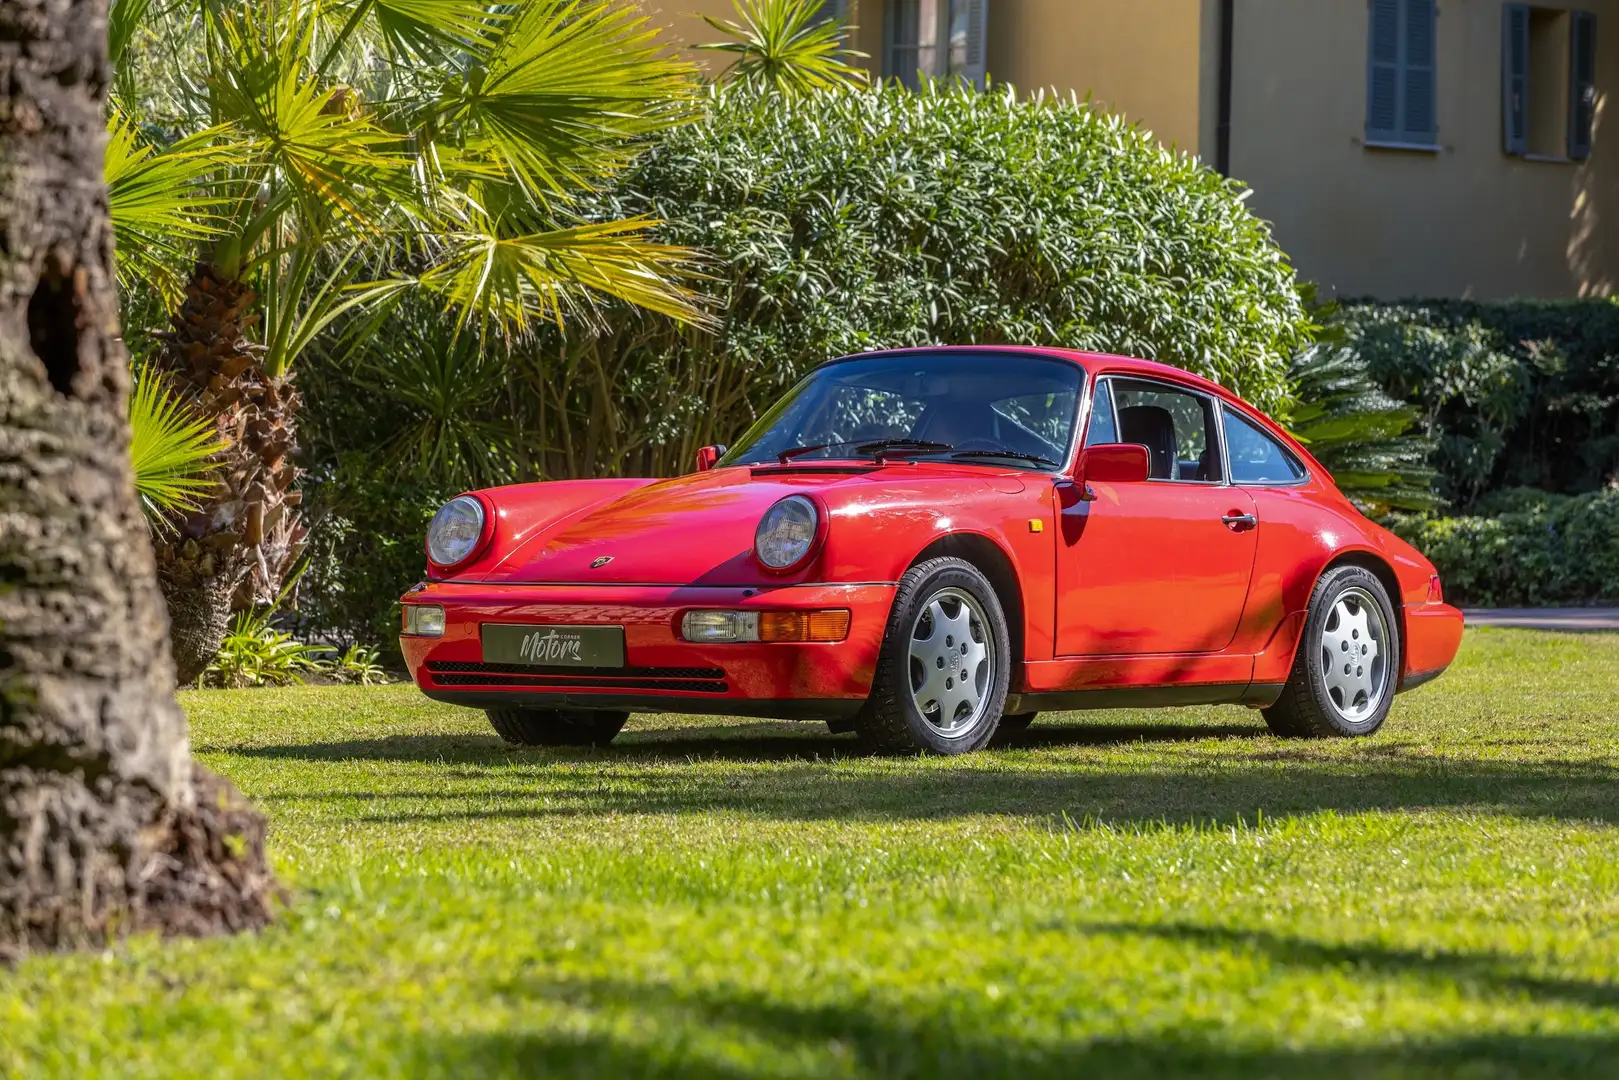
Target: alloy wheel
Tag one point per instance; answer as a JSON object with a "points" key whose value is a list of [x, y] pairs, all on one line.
{"points": [[952, 662]]}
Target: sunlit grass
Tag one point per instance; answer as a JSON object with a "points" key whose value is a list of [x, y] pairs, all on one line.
{"points": [[1121, 894]]}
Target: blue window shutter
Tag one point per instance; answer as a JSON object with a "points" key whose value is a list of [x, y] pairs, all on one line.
{"points": [[1515, 78], [977, 65], [1582, 96], [1418, 119], [1383, 72]]}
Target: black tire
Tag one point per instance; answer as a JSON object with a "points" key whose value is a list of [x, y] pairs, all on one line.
{"points": [[891, 721], [557, 727], [1307, 708]]}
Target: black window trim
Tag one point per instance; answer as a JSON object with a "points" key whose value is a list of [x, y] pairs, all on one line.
{"points": [[1225, 407], [1172, 387]]}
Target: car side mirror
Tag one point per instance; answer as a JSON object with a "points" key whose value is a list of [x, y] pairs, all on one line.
{"points": [[1115, 463], [708, 456]]}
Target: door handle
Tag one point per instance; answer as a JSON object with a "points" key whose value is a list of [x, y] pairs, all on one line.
{"points": [[1239, 522]]}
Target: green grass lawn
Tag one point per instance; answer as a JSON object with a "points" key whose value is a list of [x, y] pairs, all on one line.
{"points": [[1132, 894]]}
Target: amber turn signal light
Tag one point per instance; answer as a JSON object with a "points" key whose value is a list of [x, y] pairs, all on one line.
{"points": [[803, 625]]}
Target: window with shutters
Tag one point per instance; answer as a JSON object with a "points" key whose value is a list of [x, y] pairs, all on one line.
{"points": [[1401, 73], [934, 39], [1548, 81]]}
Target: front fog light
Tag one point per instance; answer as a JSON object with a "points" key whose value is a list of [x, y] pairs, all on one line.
{"points": [[712, 627], [424, 620]]}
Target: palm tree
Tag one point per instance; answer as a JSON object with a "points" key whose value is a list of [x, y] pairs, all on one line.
{"points": [[341, 155], [105, 822], [1368, 441], [786, 46]]}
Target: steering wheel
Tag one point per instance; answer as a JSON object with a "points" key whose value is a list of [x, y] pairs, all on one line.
{"points": [[981, 444]]}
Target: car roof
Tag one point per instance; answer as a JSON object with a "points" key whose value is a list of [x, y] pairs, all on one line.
{"points": [[1110, 364]]}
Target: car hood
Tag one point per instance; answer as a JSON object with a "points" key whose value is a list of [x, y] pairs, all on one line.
{"points": [[695, 529], [699, 529]]}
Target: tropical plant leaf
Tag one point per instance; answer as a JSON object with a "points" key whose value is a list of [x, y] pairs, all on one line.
{"points": [[786, 45], [173, 452], [124, 18], [424, 29], [163, 201], [1365, 438], [548, 276], [565, 92], [325, 152]]}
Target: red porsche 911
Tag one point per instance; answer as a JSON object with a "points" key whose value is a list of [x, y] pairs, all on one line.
{"points": [[930, 546]]}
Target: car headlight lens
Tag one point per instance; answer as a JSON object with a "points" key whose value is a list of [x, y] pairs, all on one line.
{"points": [[787, 532], [456, 529]]}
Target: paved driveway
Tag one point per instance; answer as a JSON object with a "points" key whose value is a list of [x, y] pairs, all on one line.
{"points": [[1545, 618]]}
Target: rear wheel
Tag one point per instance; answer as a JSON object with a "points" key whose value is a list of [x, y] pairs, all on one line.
{"points": [[1348, 661], [942, 674], [557, 727]]}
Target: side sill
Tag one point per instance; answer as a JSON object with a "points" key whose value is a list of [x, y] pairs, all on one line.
{"points": [[1146, 697]]}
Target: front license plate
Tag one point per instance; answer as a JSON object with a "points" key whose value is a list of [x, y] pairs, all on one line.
{"points": [[554, 646]]}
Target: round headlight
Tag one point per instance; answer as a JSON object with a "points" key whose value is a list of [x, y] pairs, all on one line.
{"points": [[787, 532], [455, 531]]}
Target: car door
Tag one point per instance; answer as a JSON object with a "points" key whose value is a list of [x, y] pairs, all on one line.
{"points": [[1162, 566]]}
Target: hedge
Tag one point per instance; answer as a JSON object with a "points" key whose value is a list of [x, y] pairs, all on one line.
{"points": [[1514, 393], [1551, 549], [854, 219]]}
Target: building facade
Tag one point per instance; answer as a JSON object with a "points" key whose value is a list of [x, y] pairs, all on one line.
{"points": [[1400, 148]]}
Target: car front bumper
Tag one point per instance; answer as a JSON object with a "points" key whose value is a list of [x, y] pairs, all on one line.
{"points": [[662, 672]]}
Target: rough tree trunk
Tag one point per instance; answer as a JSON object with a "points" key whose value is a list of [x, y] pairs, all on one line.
{"points": [[239, 545], [106, 824]]}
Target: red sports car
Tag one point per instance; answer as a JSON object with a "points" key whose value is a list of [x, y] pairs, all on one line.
{"points": [[929, 546]]}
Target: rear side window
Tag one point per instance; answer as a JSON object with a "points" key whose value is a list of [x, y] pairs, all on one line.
{"points": [[1256, 458]]}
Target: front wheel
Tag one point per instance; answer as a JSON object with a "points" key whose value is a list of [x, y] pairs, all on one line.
{"points": [[1348, 661], [942, 675], [557, 727]]}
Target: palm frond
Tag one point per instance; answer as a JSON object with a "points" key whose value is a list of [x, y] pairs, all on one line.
{"points": [[785, 45], [173, 452], [1365, 438], [423, 30], [163, 201], [546, 276], [565, 92], [325, 151], [124, 19]]}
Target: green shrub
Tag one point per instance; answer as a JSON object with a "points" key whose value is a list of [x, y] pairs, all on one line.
{"points": [[848, 220], [1516, 393], [1554, 549]]}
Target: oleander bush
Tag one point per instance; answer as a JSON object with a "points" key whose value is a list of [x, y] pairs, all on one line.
{"points": [[1537, 548]]}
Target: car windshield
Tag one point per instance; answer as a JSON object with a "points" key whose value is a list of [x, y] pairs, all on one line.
{"points": [[987, 407]]}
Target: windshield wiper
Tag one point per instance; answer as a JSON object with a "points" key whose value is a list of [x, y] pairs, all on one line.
{"points": [[878, 449], [884, 448], [1015, 455]]}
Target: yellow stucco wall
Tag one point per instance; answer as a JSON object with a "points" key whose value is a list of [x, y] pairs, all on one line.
{"points": [[1468, 221], [681, 21], [1141, 58]]}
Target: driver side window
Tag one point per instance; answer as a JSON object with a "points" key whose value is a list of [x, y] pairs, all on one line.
{"points": [[1178, 428]]}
